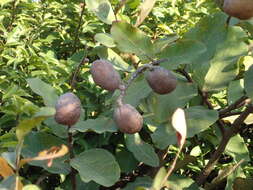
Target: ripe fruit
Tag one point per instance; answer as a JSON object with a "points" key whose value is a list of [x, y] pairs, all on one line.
{"points": [[68, 109], [161, 80], [128, 119], [104, 75], [242, 9]]}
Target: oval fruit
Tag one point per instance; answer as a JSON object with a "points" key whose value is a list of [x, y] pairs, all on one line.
{"points": [[104, 75], [242, 9], [161, 80], [68, 109], [128, 119]]}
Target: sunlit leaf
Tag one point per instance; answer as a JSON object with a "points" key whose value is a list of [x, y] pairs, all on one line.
{"points": [[248, 82], [145, 9], [25, 126], [130, 39], [43, 89], [102, 9]]}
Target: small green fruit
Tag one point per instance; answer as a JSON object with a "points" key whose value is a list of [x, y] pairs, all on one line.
{"points": [[242, 9], [104, 75], [128, 119], [68, 109], [161, 80]]}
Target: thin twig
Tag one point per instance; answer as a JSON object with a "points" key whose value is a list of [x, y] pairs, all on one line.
{"points": [[172, 167], [123, 87], [235, 128], [230, 114], [237, 104], [217, 181], [73, 78]]}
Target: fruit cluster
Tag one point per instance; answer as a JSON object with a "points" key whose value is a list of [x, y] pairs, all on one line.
{"points": [[127, 118]]}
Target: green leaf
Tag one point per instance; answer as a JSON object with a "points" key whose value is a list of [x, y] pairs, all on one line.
{"points": [[105, 39], [102, 9], [131, 163], [180, 182], [45, 112], [137, 91], [98, 165], [57, 129], [215, 68], [99, 125], [237, 149], [248, 82], [25, 126], [36, 142], [130, 39], [43, 89], [31, 187], [223, 66], [181, 52], [140, 183], [157, 183], [163, 106], [198, 119], [114, 58], [164, 136], [142, 151], [3, 2], [235, 90]]}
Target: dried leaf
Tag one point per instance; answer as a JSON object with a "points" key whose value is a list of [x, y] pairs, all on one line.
{"points": [[179, 124], [146, 7], [50, 154], [5, 169]]}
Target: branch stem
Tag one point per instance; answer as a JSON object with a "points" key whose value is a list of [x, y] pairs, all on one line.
{"points": [[235, 128], [71, 155]]}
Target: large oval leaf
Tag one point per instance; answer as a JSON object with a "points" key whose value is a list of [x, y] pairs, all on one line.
{"points": [[98, 165], [198, 119], [142, 151], [102, 9], [43, 89], [130, 39]]}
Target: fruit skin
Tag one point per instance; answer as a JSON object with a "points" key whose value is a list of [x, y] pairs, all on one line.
{"points": [[161, 80], [68, 109], [128, 119], [104, 75], [242, 9]]}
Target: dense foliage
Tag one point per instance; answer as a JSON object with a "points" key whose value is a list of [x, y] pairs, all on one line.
{"points": [[47, 48]]}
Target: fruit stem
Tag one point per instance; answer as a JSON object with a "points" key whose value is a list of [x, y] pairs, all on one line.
{"points": [[123, 87], [71, 155]]}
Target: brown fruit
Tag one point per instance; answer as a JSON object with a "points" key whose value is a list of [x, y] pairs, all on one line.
{"points": [[161, 80], [104, 75], [68, 109], [242, 9], [128, 119]]}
